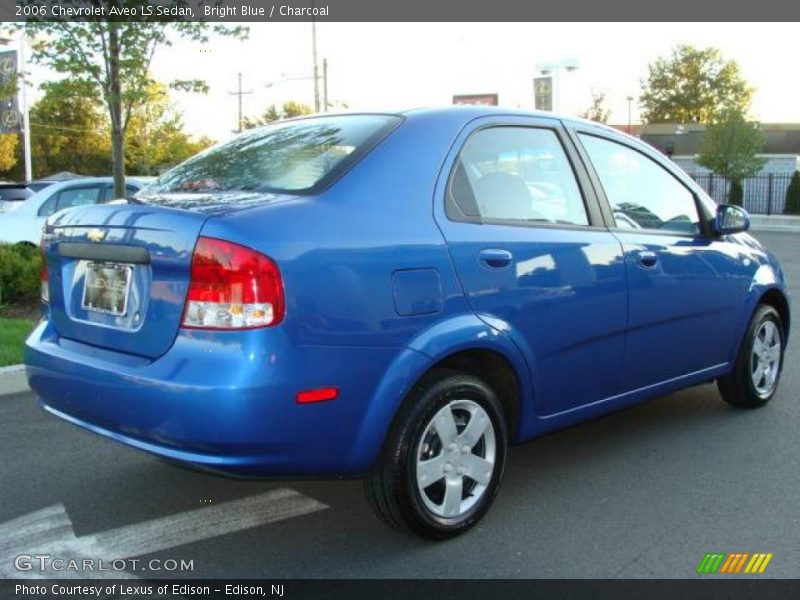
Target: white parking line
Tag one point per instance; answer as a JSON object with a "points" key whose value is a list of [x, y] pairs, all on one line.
{"points": [[49, 531]]}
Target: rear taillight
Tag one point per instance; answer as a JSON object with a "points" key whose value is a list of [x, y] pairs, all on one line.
{"points": [[44, 277], [232, 287]]}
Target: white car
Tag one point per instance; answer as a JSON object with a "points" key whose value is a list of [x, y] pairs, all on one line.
{"points": [[24, 225]]}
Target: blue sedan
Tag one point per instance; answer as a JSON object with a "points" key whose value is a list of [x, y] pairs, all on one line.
{"points": [[400, 297]]}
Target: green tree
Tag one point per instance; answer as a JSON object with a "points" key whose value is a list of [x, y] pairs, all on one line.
{"points": [[730, 148], [8, 151], [155, 136], [289, 109], [113, 58], [597, 111], [736, 193], [793, 196], [691, 86], [69, 131]]}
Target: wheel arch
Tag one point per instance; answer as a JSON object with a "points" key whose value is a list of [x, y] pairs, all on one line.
{"points": [[465, 343], [768, 293], [775, 298]]}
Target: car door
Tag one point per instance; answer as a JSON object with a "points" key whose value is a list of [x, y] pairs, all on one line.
{"points": [[531, 251], [685, 286]]}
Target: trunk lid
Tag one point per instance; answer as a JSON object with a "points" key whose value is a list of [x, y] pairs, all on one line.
{"points": [[153, 245]]}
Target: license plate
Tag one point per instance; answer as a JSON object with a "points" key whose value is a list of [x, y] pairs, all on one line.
{"points": [[106, 288]]}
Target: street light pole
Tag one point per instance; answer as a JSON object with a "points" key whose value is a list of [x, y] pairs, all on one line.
{"points": [[26, 121]]}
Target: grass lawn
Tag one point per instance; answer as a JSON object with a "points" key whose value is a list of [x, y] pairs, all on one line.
{"points": [[12, 334]]}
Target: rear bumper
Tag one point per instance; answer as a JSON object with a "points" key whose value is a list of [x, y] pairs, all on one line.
{"points": [[223, 401]]}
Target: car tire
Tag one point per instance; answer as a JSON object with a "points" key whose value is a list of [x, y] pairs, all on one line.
{"points": [[450, 427], [756, 373]]}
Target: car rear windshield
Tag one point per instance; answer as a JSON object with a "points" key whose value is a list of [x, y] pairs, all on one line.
{"points": [[298, 156]]}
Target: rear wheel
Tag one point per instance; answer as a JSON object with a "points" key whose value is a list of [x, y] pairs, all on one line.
{"points": [[756, 373], [443, 460]]}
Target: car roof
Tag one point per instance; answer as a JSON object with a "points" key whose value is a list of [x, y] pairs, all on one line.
{"points": [[472, 111], [463, 113]]}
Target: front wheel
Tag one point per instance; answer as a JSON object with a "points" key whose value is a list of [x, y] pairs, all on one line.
{"points": [[443, 460], [757, 370]]}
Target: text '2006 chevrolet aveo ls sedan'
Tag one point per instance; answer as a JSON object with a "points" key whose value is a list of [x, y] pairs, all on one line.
{"points": [[400, 297]]}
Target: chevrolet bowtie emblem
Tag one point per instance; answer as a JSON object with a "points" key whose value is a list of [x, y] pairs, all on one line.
{"points": [[96, 235]]}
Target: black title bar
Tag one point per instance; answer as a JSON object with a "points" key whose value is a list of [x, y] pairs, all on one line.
{"points": [[235, 11]]}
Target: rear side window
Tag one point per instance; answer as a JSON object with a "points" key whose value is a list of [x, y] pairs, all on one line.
{"points": [[69, 198], [642, 193], [515, 175], [290, 157]]}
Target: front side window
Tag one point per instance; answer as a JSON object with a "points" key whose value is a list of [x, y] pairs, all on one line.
{"points": [[515, 175], [642, 194], [289, 157]]}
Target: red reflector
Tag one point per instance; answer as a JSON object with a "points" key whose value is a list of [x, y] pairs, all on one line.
{"points": [[318, 395]]}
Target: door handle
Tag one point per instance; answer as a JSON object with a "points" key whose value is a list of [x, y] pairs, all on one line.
{"points": [[648, 258], [496, 258]]}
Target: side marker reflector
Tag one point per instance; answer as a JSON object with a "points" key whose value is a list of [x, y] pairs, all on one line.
{"points": [[317, 395]]}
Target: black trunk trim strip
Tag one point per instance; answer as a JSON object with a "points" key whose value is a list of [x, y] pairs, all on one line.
{"points": [[105, 252]]}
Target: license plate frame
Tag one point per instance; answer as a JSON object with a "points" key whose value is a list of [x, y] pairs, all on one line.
{"points": [[104, 298]]}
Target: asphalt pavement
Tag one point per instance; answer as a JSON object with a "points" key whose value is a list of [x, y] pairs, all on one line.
{"points": [[645, 492]]}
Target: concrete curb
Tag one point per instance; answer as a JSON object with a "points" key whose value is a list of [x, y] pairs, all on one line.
{"points": [[774, 223], [774, 229], [13, 380]]}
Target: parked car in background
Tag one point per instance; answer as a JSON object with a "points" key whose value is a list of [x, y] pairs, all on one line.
{"points": [[37, 185], [400, 297], [25, 223], [12, 195]]}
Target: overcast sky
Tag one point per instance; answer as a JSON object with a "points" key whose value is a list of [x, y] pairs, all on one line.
{"points": [[396, 65]]}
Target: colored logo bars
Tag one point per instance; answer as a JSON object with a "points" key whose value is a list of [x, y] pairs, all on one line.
{"points": [[756, 563]]}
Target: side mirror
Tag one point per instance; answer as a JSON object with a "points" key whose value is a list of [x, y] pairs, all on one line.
{"points": [[731, 219]]}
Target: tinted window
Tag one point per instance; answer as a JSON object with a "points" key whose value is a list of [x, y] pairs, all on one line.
{"points": [[642, 194], [294, 156], [517, 174], [37, 186], [69, 198], [13, 194], [78, 197]]}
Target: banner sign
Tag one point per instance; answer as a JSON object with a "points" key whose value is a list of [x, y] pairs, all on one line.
{"points": [[476, 99], [543, 93], [9, 111]]}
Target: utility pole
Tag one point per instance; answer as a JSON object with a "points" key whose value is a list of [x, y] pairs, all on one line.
{"points": [[316, 67], [240, 92], [325, 84]]}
